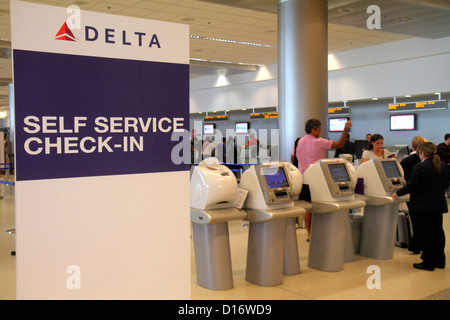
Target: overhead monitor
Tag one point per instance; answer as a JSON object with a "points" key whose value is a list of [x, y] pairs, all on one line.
{"points": [[391, 169], [400, 122], [241, 127], [208, 128], [337, 124], [338, 172]]}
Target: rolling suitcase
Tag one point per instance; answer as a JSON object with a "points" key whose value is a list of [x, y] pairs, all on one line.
{"points": [[404, 230]]}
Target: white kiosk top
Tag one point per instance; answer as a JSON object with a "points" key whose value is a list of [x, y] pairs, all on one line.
{"points": [[271, 191], [332, 185], [382, 178], [213, 192]]}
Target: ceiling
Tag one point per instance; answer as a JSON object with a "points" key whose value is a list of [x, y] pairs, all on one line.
{"points": [[251, 27]]}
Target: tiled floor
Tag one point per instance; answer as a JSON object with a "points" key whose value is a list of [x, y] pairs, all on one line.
{"points": [[399, 280]]}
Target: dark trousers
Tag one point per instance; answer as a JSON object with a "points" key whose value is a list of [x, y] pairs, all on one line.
{"points": [[432, 238], [414, 244]]}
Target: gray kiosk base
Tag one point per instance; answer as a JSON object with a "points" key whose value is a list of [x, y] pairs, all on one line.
{"points": [[291, 264], [379, 231], [331, 241], [212, 246], [272, 245], [266, 241], [212, 256]]}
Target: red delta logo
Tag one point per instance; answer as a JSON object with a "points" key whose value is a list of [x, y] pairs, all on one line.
{"points": [[65, 34]]}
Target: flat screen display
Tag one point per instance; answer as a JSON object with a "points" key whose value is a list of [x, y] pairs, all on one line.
{"points": [[391, 169], [403, 122], [336, 124], [208, 129], [360, 146], [241, 127], [275, 178], [338, 172]]}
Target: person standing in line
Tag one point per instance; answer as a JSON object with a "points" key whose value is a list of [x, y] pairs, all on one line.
{"points": [[426, 187], [443, 149], [375, 149], [348, 148], [407, 165], [311, 148], [294, 159]]}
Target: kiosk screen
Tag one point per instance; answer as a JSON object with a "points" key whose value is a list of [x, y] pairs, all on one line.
{"points": [[275, 178], [338, 172], [390, 169]]}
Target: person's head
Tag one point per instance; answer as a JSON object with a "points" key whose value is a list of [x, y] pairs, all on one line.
{"points": [[368, 136], [314, 127], [447, 138], [427, 150], [376, 142], [416, 141]]}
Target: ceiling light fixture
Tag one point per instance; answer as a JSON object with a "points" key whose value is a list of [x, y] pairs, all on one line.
{"points": [[346, 10], [226, 62], [233, 41], [403, 20]]}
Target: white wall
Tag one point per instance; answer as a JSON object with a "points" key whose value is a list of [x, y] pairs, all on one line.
{"points": [[412, 66]]}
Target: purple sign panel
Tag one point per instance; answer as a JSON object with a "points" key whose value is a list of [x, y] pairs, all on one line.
{"points": [[79, 116]]}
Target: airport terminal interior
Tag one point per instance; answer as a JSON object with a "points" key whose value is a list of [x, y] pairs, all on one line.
{"points": [[248, 237]]}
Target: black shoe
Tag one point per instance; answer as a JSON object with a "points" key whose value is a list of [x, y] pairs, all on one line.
{"points": [[440, 266], [421, 266]]}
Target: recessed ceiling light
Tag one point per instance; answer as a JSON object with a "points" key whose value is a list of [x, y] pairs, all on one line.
{"points": [[346, 10], [80, 2], [403, 20]]}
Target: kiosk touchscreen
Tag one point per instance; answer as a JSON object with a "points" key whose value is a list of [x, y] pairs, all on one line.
{"points": [[269, 187], [331, 180], [213, 191], [332, 184], [381, 178], [269, 206]]}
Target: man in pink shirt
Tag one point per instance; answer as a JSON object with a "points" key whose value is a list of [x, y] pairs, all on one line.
{"points": [[311, 148]]}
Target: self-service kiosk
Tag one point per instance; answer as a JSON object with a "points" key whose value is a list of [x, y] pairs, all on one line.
{"points": [[213, 191], [382, 178], [331, 183], [269, 205]]}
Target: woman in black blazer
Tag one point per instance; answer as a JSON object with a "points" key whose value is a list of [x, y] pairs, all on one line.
{"points": [[426, 187]]}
